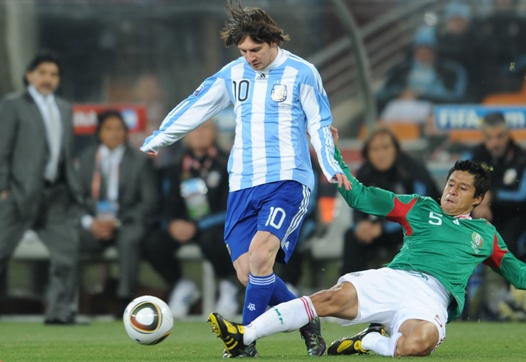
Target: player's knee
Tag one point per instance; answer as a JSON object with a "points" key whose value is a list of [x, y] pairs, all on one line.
{"points": [[338, 301], [242, 277], [415, 345]]}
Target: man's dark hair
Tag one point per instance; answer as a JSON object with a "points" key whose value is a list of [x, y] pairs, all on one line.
{"points": [[481, 174], [104, 116], [252, 22], [493, 119], [43, 56]]}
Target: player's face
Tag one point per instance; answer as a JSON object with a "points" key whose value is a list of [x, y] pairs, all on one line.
{"points": [[112, 133], [382, 152], [495, 140], [258, 55], [45, 78], [458, 195]]}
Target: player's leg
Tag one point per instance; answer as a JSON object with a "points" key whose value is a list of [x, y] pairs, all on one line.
{"points": [[339, 301], [413, 311], [418, 338]]}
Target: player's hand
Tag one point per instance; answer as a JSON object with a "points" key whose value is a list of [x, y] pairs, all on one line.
{"points": [[342, 180], [152, 153], [3, 195]]}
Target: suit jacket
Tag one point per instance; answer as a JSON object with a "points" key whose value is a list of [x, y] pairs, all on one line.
{"points": [[138, 198], [24, 151]]}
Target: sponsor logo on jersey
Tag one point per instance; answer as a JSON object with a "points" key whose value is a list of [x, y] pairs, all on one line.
{"points": [[476, 242], [279, 92]]}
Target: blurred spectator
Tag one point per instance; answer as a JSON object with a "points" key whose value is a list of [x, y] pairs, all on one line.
{"points": [[421, 80], [195, 209], [456, 41], [120, 185], [505, 204], [39, 188], [371, 240], [500, 43]]}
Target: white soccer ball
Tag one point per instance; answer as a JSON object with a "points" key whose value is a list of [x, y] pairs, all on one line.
{"points": [[148, 320]]}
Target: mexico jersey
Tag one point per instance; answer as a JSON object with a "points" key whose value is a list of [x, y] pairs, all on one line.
{"points": [[274, 109], [446, 247]]}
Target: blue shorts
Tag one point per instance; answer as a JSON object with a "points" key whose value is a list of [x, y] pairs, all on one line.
{"points": [[277, 207]]}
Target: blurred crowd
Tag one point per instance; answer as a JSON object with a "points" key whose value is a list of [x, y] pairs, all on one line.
{"points": [[148, 208]]}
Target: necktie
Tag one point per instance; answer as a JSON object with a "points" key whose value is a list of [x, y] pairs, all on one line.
{"points": [[54, 135]]}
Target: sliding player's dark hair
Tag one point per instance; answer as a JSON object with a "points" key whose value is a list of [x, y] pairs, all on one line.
{"points": [[481, 174], [252, 22]]}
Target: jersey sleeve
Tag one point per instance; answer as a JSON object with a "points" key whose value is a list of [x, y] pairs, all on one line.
{"points": [[317, 111], [373, 200], [209, 99], [506, 264]]}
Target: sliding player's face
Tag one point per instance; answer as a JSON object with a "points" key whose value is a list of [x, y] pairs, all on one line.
{"points": [[458, 195], [258, 55]]}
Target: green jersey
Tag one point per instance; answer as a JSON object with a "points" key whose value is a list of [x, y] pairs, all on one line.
{"points": [[446, 247]]}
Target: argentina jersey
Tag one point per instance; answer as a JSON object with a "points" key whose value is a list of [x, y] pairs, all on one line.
{"points": [[274, 108]]}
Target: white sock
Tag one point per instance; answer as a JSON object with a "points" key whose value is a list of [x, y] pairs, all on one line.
{"points": [[285, 317], [384, 346]]}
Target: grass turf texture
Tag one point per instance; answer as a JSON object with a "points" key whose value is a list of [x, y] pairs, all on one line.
{"points": [[192, 341]]}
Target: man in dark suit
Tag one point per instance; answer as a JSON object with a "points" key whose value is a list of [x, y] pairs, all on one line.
{"points": [[39, 188], [120, 187]]}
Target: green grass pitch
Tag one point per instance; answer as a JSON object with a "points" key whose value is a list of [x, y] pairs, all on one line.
{"points": [[192, 341]]}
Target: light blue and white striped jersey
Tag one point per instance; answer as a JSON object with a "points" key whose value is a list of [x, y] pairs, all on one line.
{"points": [[274, 108]]}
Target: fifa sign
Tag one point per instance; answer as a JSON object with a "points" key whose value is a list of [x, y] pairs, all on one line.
{"points": [[469, 117]]}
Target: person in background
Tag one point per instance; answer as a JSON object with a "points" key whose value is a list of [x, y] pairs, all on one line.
{"points": [[456, 40], [504, 205], [119, 184], [39, 188], [385, 165], [424, 76], [195, 204], [500, 42]]}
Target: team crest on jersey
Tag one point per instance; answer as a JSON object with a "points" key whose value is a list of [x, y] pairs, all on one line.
{"points": [[279, 92], [199, 90], [476, 242]]}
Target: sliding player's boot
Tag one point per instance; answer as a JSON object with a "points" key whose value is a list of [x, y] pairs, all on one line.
{"points": [[311, 333], [353, 345]]}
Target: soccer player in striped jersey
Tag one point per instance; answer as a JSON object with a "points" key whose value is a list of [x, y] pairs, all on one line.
{"points": [[278, 99], [420, 290]]}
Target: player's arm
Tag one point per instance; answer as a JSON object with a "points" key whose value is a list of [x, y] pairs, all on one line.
{"points": [[315, 104], [210, 98], [506, 264], [374, 200]]}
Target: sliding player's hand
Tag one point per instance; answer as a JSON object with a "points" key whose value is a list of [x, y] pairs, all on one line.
{"points": [[341, 179]]}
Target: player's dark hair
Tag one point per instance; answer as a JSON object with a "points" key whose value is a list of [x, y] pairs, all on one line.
{"points": [[480, 173], [104, 116], [493, 119], [252, 22], [43, 56]]}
